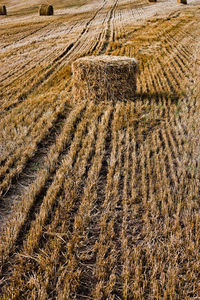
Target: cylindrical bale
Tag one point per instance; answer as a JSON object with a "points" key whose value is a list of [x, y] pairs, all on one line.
{"points": [[182, 1], [104, 78], [46, 10], [3, 10]]}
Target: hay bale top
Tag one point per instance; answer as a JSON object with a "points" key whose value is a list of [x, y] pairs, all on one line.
{"points": [[46, 10], [3, 10], [104, 78], [106, 61]]}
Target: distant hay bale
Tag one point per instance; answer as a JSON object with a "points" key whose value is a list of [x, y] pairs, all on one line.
{"points": [[182, 1], [104, 78], [3, 10], [46, 10]]}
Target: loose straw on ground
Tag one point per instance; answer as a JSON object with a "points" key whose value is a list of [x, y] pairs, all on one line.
{"points": [[46, 10], [104, 78]]}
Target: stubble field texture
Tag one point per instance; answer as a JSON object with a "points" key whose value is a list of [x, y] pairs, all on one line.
{"points": [[100, 200]]}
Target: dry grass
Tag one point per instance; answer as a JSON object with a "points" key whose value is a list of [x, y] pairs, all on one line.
{"points": [[100, 200]]}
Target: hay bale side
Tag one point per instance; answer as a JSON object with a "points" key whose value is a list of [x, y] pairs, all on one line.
{"points": [[104, 78], [182, 1], [3, 10], [46, 10]]}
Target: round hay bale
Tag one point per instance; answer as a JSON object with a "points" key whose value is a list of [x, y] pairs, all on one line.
{"points": [[182, 1], [104, 78], [3, 10], [46, 10]]}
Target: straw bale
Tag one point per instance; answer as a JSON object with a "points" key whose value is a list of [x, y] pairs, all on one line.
{"points": [[46, 10], [182, 1], [3, 10], [104, 78]]}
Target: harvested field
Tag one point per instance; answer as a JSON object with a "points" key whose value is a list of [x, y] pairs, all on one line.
{"points": [[100, 200]]}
